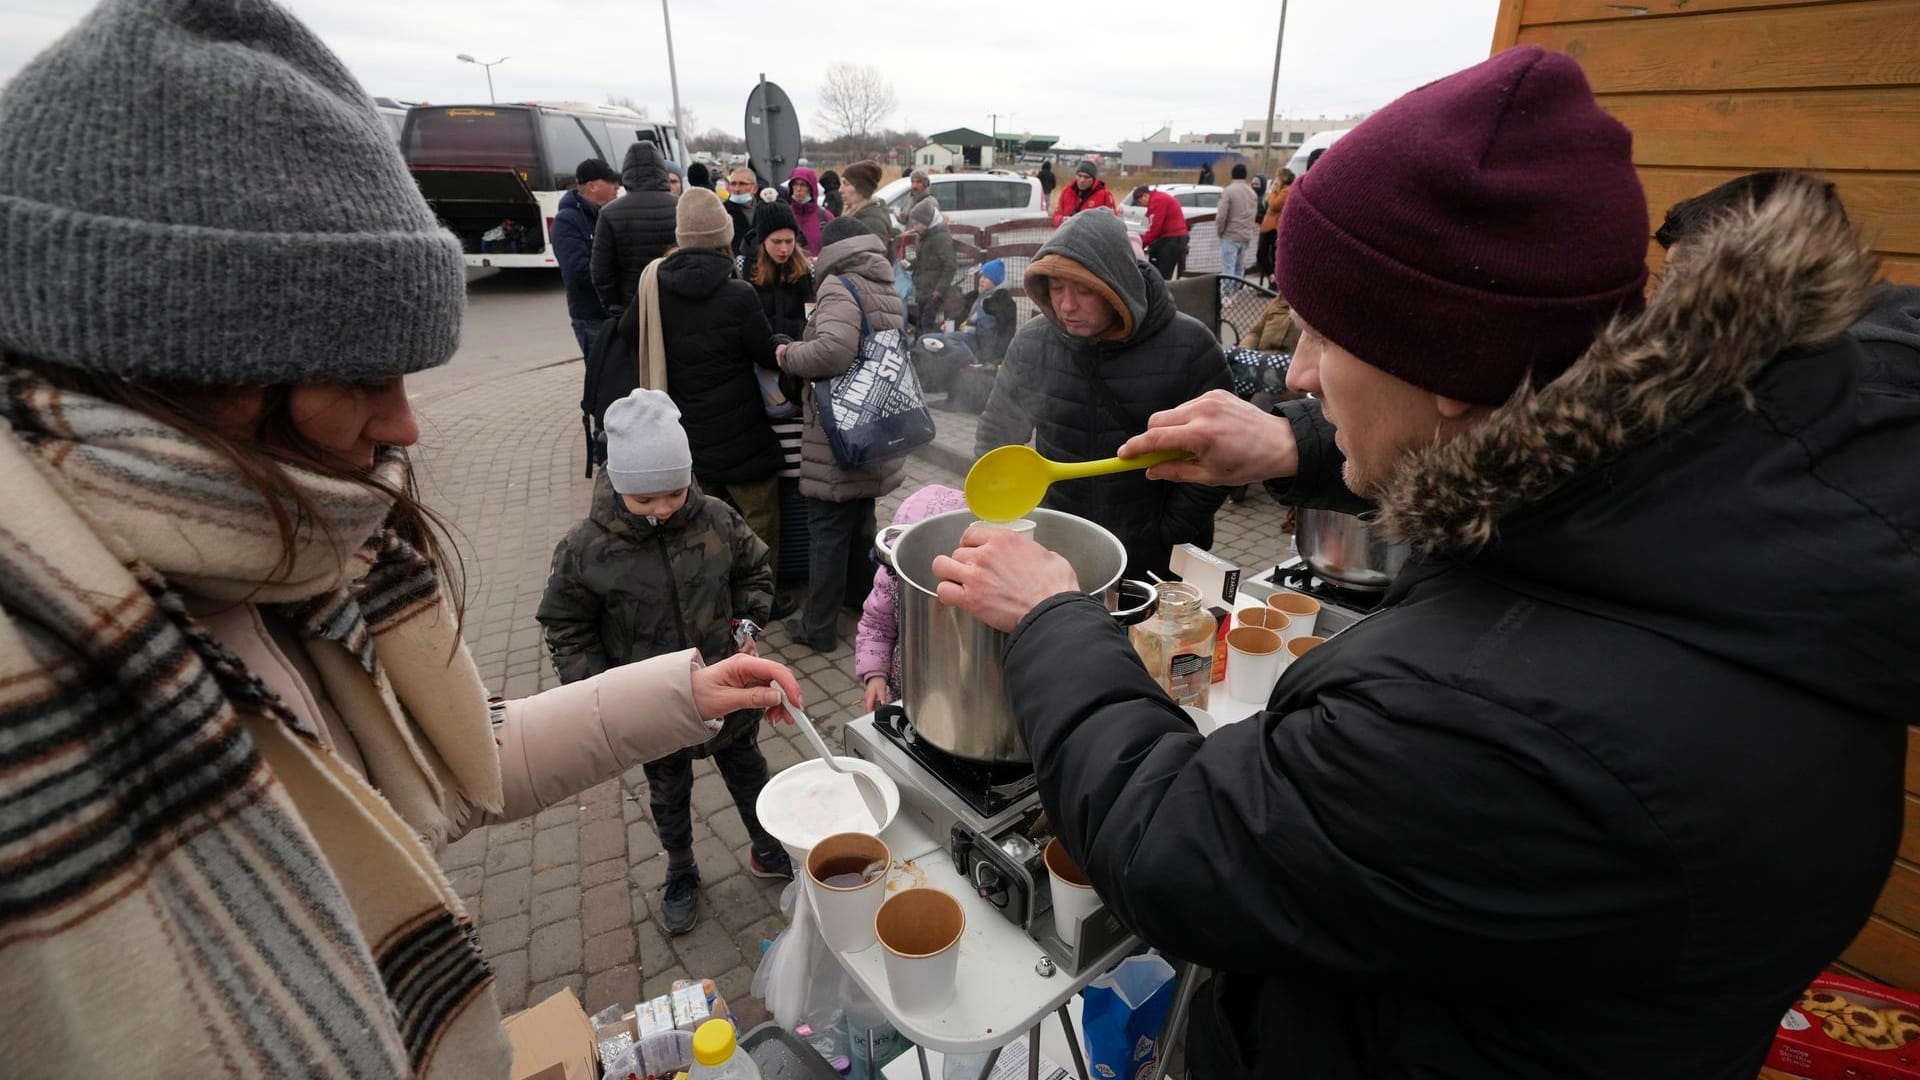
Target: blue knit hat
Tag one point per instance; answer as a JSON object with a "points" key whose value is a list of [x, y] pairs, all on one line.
{"points": [[994, 270]]}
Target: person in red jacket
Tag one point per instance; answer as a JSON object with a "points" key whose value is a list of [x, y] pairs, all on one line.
{"points": [[1166, 239], [1086, 191]]}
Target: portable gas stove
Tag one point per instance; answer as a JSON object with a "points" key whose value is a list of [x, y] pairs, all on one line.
{"points": [[1340, 607], [990, 819]]}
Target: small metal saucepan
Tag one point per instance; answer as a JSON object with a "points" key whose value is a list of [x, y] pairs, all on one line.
{"points": [[1348, 551]]}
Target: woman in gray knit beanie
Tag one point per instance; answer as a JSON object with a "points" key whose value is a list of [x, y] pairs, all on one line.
{"points": [[227, 637]]}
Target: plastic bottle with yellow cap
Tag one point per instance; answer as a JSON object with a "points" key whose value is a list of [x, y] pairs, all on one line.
{"points": [[717, 1057]]}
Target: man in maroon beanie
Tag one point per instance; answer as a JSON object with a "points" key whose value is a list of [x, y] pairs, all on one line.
{"points": [[1616, 767]]}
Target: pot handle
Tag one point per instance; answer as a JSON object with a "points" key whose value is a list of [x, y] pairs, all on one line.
{"points": [[886, 541], [1140, 611]]}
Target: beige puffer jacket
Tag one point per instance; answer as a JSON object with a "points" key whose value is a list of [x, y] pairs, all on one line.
{"points": [[831, 342], [553, 745]]}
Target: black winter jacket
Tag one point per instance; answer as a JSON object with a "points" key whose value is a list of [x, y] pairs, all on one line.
{"points": [[1617, 769], [715, 336], [634, 229], [785, 305], [1047, 390]]}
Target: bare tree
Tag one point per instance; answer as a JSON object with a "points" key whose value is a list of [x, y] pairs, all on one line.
{"points": [[854, 101], [627, 102]]}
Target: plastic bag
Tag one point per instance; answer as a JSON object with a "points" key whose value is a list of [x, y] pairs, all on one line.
{"points": [[798, 978], [1123, 1012], [902, 281], [802, 984]]}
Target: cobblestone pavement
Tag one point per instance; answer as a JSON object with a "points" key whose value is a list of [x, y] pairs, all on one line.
{"points": [[571, 897]]}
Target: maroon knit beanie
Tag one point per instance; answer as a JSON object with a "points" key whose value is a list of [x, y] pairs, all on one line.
{"points": [[1477, 228]]}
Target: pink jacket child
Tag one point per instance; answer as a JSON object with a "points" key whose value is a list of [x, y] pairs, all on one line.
{"points": [[876, 648]]}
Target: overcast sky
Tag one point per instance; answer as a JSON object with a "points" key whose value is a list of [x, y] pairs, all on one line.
{"points": [[1093, 74]]}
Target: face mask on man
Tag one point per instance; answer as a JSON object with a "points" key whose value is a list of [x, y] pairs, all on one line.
{"points": [[742, 200], [802, 200]]}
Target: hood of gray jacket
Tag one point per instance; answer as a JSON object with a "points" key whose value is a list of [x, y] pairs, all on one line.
{"points": [[859, 256], [1098, 241]]}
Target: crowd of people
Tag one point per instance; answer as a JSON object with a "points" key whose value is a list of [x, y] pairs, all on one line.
{"points": [[1666, 555]]}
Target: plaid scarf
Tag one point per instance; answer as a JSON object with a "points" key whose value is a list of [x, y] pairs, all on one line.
{"points": [[185, 869]]}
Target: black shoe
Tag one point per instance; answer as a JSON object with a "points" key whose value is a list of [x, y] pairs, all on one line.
{"points": [[799, 633], [680, 908], [772, 863]]}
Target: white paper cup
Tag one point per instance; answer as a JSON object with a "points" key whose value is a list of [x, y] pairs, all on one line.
{"points": [[1073, 895], [920, 930], [1302, 612], [846, 908], [1262, 616], [1301, 646], [1255, 658]]}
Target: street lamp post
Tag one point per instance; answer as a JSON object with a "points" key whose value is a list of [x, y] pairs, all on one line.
{"points": [[673, 73], [488, 64], [1273, 94]]}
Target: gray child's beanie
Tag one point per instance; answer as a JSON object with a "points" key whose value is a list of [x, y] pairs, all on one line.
{"points": [[647, 450], [199, 190]]}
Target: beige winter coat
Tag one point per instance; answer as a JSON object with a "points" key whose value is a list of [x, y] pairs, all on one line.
{"points": [[1237, 217], [828, 348], [552, 745]]}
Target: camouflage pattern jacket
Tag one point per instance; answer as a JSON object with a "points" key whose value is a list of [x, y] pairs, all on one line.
{"points": [[623, 590]]}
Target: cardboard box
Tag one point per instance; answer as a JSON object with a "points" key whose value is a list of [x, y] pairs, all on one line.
{"points": [[1217, 579], [1849, 1029], [553, 1034]]}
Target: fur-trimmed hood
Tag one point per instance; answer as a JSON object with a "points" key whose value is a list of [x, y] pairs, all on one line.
{"points": [[1788, 272], [1731, 469]]}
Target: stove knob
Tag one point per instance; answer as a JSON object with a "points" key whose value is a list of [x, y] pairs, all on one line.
{"points": [[990, 883]]}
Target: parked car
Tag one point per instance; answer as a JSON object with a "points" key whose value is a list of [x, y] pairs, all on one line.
{"points": [[979, 199]]}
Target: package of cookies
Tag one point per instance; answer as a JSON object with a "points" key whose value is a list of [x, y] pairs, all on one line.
{"points": [[1844, 1028]]}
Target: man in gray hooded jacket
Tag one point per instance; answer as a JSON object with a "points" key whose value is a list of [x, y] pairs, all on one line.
{"points": [[1111, 352]]}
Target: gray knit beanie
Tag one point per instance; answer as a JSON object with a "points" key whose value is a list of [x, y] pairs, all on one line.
{"points": [[327, 265], [1088, 166], [647, 450], [925, 211], [700, 220]]}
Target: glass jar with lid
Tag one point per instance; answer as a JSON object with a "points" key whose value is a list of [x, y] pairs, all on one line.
{"points": [[1176, 644]]}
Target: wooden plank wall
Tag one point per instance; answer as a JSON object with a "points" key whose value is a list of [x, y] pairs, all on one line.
{"points": [[1712, 89], [1715, 88]]}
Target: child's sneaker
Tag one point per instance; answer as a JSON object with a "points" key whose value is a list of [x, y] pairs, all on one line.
{"points": [[772, 863], [680, 908]]}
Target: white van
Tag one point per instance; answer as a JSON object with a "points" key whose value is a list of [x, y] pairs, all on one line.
{"points": [[979, 199], [1297, 164]]}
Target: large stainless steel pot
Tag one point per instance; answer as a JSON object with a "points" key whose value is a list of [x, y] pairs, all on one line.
{"points": [[952, 683], [1348, 551]]}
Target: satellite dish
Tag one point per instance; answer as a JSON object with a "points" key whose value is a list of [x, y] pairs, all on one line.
{"points": [[773, 133]]}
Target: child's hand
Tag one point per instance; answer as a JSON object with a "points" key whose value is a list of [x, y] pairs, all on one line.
{"points": [[876, 691], [749, 648]]}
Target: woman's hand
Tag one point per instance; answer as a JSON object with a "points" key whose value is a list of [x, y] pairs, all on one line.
{"points": [[1232, 442], [999, 577], [780, 353], [741, 682], [876, 691]]}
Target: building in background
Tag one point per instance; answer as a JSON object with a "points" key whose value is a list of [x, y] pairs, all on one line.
{"points": [[1288, 132], [1161, 153]]}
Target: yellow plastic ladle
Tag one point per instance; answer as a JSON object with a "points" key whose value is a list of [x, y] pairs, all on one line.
{"points": [[1008, 482]]}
